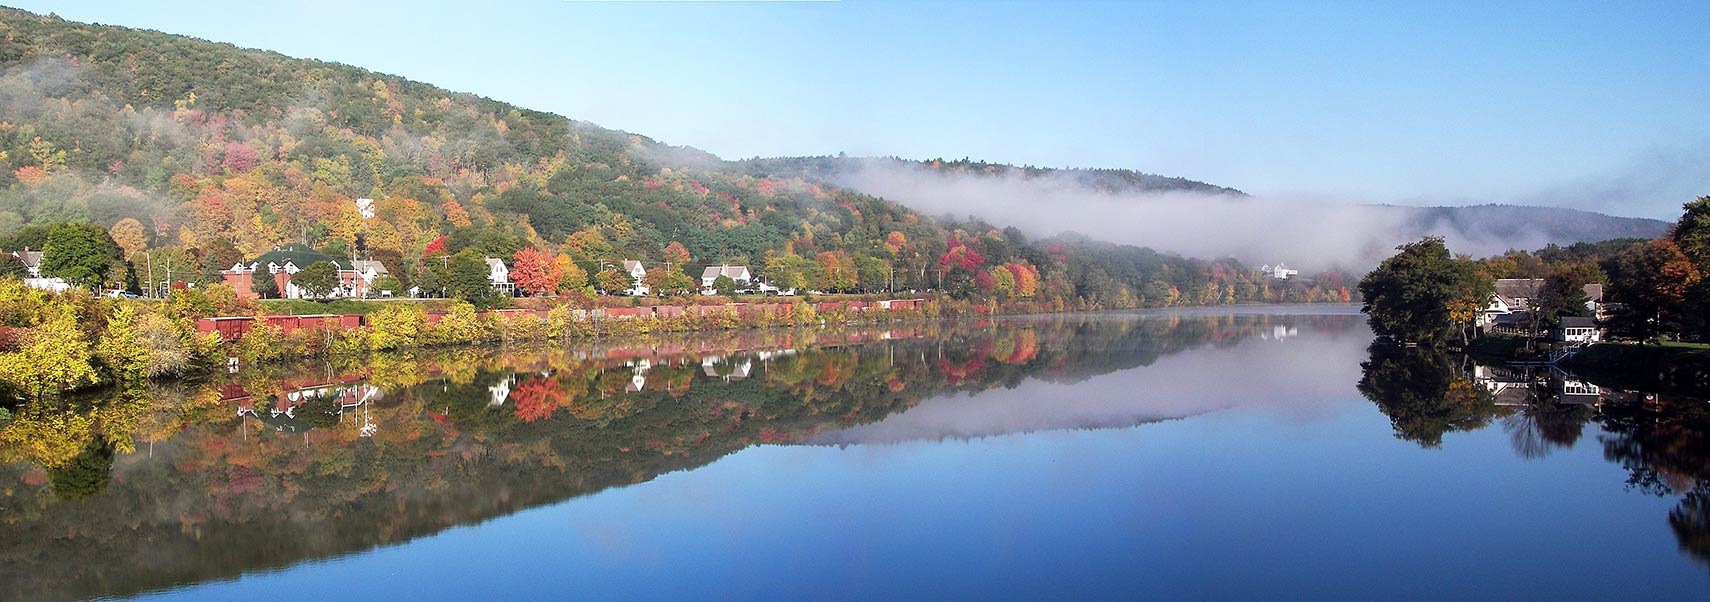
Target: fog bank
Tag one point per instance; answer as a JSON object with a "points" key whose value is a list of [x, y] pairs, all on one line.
{"points": [[1305, 233]]}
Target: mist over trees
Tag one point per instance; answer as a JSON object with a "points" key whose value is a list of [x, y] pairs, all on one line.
{"points": [[178, 145]]}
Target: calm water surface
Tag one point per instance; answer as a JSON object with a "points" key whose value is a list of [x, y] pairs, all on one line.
{"points": [[1259, 453]]}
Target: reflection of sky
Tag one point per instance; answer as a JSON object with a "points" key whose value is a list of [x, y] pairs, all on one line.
{"points": [[1300, 491], [1294, 375]]}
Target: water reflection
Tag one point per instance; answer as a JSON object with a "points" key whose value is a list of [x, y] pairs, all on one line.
{"points": [[1663, 441], [277, 465]]}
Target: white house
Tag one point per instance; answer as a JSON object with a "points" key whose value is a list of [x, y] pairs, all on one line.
{"points": [[369, 271], [738, 273], [499, 275], [1278, 271], [1578, 329], [1516, 295], [32, 261], [636, 273], [365, 207]]}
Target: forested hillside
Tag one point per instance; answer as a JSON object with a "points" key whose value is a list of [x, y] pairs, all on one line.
{"points": [[1111, 181], [191, 151]]}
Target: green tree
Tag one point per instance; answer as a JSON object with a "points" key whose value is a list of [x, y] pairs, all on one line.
{"points": [[121, 348], [82, 254], [11, 266], [1563, 293], [613, 281], [318, 280], [724, 285], [1423, 295], [676, 283], [263, 283], [1692, 233], [791, 272], [467, 278], [872, 273]]}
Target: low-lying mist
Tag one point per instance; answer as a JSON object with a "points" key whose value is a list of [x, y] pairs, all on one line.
{"points": [[1304, 233]]}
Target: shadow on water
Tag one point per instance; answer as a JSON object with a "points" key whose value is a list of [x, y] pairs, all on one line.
{"points": [[1663, 441]]}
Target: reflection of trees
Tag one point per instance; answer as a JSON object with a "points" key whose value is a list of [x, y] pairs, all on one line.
{"points": [[1424, 393], [1691, 523], [1544, 424], [85, 475], [1664, 443]]}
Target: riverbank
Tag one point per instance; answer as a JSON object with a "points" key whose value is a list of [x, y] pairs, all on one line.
{"points": [[58, 344]]}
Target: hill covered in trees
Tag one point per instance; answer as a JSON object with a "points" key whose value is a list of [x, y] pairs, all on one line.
{"points": [[1111, 181], [197, 152]]}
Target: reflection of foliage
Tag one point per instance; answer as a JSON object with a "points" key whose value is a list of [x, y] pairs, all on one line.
{"points": [[1664, 443], [319, 412], [1423, 394], [85, 475], [1691, 523], [1545, 424]]}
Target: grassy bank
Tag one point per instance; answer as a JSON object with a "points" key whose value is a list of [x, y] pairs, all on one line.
{"points": [[1500, 348], [1659, 368]]}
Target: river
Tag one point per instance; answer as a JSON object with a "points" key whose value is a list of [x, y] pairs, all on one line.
{"points": [[1247, 453]]}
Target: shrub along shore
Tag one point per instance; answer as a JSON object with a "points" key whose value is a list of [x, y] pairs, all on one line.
{"points": [[55, 344]]}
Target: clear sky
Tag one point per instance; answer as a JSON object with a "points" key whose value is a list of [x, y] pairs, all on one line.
{"points": [[1599, 106]]}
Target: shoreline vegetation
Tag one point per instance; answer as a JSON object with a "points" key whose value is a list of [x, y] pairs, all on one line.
{"points": [[1648, 327], [74, 342]]}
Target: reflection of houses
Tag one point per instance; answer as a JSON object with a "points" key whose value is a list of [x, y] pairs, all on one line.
{"points": [[727, 368], [1279, 332], [355, 278], [500, 391], [282, 411], [1521, 387], [638, 380], [1577, 392], [1508, 387], [737, 273]]}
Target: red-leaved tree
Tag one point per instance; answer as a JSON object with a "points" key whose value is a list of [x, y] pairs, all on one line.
{"points": [[535, 272]]}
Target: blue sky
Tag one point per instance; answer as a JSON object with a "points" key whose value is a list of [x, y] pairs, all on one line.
{"points": [[1583, 105]]}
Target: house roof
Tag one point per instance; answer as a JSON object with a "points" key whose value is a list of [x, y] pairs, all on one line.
{"points": [[1594, 293], [363, 265], [733, 271], [31, 259], [495, 264], [296, 253], [629, 265], [1578, 322], [1519, 288]]}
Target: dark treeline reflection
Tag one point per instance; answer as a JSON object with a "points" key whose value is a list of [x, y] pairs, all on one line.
{"points": [[1662, 441], [149, 488]]}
